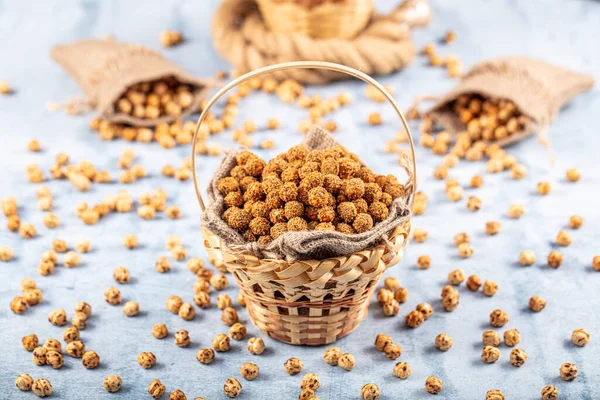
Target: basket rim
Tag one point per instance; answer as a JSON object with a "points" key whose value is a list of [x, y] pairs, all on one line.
{"points": [[400, 230]]}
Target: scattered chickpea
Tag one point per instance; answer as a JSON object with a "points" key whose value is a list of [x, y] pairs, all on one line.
{"points": [[461, 237], [6, 254], [75, 349], [177, 395], [71, 259], [232, 388], [156, 389], [573, 175], [425, 309], [549, 393], [112, 383], [112, 296], [512, 337], [90, 359], [146, 359], [205, 356], [374, 119], [229, 316], [433, 385], [465, 250], [490, 354], [400, 295], [568, 372], [414, 319], [575, 222], [596, 263], [249, 371], [30, 342], [70, 334], [221, 343], [51, 221], [543, 188], [27, 230], [424, 262], [443, 342], [490, 288], [420, 235], [527, 258], [58, 317], [392, 350], [173, 212], [83, 307], [219, 281], [162, 265], [515, 211], [402, 370], [187, 312], [563, 238], [54, 359], [237, 331], [131, 308], [293, 366], [391, 283], [256, 346], [182, 338], [370, 391], [79, 320], [490, 338], [494, 394], [555, 259], [476, 181], [24, 382], [456, 277], [473, 283], [130, 241], [518, 357], [474, 203], [346, 361], [580, 337], [498, 318], [492, 227], [42, 387], [332, 355]]}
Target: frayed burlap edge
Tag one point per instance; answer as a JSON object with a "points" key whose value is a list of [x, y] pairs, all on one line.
{"points": [[293, 246]]}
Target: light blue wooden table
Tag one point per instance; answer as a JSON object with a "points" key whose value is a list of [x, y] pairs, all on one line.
{"points": [[561, 32]]}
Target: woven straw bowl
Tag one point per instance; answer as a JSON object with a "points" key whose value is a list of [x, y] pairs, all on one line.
{"points": [[331, 19], [309, 302]]}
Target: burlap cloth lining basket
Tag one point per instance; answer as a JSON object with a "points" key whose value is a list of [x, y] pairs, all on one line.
{"points": [[537, 88], [341, 19], [105, 69], [309, 302]]}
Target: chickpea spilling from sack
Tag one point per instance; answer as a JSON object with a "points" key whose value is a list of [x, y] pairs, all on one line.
{"points": [[152, 100]]}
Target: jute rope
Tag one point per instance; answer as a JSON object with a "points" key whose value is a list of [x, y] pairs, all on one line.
{"points": [[241, 36]]}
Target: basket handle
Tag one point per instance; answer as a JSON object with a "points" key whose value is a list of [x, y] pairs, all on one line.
{"points": [[302, 65]]}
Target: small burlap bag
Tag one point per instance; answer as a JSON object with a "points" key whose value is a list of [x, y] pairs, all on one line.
{"points": [[537, 88], [294, 246], [105, 69]]}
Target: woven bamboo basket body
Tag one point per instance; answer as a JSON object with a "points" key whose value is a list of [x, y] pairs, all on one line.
{"points": [[311, 302], [341, 19], [308, 302]]}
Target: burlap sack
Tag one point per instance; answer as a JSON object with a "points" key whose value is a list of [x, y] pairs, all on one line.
{"points": [[537, 88], [105, 69], [293, 246]]}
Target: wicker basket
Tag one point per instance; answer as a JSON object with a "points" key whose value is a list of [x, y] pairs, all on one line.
{"points": [[309, 302], [331, 19]]}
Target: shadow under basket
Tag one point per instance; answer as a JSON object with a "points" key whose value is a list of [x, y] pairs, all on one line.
{"points": [[308, 302]]}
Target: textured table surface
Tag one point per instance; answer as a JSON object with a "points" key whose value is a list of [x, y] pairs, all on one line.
{"points": [[561, 32]]}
